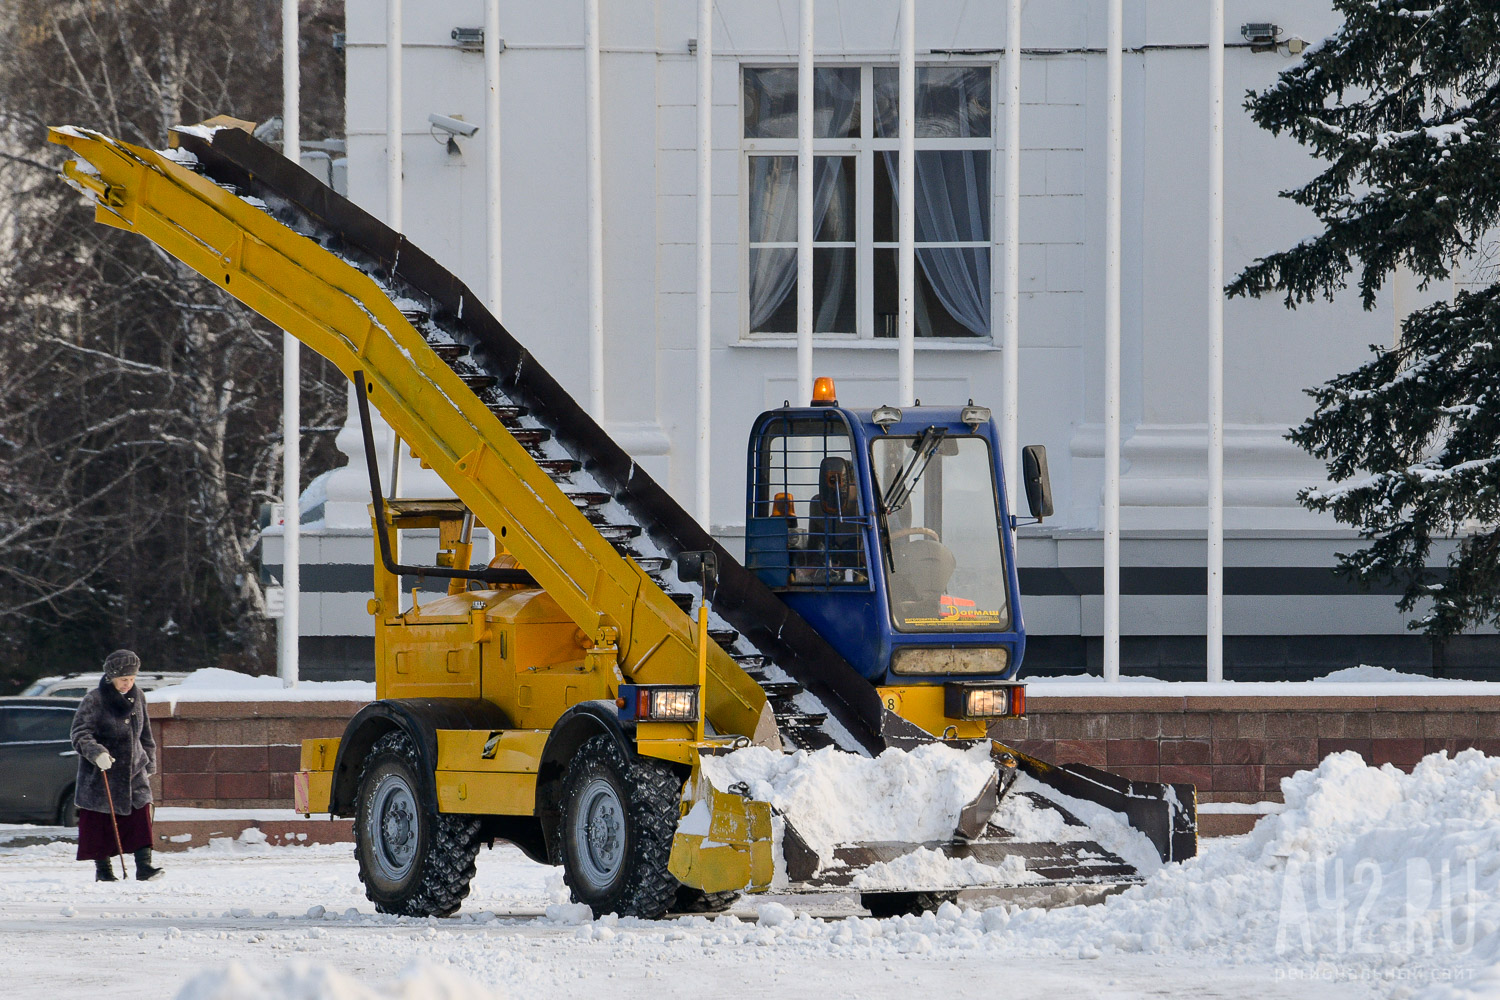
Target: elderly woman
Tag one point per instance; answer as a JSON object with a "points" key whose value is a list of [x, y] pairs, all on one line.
{"points": [[116, 758]]}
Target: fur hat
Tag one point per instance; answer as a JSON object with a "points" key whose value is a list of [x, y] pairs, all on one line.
{"points": [[121, 663]]}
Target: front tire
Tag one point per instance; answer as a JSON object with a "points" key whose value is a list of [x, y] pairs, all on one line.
{"points": [[413, 862], [619, 814]]}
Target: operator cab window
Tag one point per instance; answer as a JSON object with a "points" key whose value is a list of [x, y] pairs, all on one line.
{"points": [[940, 532], [806, 524]]}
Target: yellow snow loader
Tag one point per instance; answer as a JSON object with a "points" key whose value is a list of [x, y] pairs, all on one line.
{"points": [[588, 693]]}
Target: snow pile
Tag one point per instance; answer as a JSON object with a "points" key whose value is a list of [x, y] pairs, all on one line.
{"points": [[306, 981], [1368, 874], [1365, 867], [218, 684], [834, 798], [1367, 674], [926, 867]]}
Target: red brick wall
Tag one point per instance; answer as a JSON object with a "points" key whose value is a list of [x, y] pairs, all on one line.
{"points": [[238, 755], [1237, 749]]}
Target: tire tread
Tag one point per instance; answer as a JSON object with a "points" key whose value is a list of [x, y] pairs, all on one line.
{"points": [[448, 866], [652, 790]]}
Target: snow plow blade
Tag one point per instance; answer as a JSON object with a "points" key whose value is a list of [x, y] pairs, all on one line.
{"points": [[1166, 813], [1034, 826]]}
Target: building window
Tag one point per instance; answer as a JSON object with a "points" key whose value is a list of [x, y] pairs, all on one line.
{"points": [[855, 144]]}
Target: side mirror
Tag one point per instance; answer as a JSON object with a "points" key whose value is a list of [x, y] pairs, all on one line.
{"points": [[1038, 484]]}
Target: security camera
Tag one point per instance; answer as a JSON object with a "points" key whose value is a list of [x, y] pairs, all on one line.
{"points": [[453, 126]]}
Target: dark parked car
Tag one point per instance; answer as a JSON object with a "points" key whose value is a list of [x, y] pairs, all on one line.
{"points": [[38, 764]]}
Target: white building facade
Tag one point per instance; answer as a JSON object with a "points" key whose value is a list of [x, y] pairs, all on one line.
{"points": [[1286, 612]]}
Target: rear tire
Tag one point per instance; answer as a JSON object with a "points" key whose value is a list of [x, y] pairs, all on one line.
{"points": [[903, 904], [413, 862], [619, 814]]}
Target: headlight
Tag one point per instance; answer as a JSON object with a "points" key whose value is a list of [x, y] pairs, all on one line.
{"points": [[983, 701], [657, 703]]}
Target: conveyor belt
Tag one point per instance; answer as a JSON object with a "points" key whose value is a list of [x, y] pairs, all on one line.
{"points": [[816, 696]]}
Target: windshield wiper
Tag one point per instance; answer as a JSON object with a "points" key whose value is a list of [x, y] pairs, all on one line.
{"points": [[906, 480]]}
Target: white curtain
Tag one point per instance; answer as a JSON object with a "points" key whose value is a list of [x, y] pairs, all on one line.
{"points": [[953, 195], [773, 210]]}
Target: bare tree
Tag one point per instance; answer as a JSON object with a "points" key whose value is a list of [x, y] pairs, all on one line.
{"points": [[139, 406]]}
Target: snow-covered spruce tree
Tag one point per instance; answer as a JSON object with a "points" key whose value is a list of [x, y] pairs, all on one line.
{"points": [[1403, 104]]}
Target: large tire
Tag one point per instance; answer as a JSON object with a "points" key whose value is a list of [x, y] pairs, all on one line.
{"points": [[904, 904], [619, 813], [413, 862]]}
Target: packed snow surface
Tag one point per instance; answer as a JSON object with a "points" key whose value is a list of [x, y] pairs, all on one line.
{"points": [[1370, 883], [834, 798]]}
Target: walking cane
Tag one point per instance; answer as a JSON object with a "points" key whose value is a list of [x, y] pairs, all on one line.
{"points": [[119, 844]]}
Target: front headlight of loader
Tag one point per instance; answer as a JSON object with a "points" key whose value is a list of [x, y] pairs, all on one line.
{"points": [[983, 701], [658, 703]]}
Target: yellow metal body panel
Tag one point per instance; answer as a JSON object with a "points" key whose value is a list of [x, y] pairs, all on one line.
{"points": [[922, 705], [312, 791], [737, 850], [343, 315], [676, 741], [488, 772], [488, 793], [319, 755], [507, 750]]}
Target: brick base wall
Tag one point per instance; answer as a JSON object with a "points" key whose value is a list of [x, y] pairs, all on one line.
{"points": [[1237, 749], [241, 755], [237, 755]]}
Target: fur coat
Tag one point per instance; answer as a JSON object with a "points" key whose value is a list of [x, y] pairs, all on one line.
{"points": [[108, 720]]}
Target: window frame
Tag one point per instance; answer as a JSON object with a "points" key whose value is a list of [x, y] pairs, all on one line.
{"points": [[865, 150]]}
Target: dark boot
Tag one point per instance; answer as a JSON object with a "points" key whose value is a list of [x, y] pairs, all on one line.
{"points": [[143, 870], [104, 870]]}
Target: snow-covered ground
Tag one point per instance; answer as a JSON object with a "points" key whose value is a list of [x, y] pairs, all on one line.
{"points": [[1370, 883]]}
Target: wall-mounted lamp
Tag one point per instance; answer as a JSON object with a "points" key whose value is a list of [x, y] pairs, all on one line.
{"points": [[1264, 36], [472, 39], [469, 39]]}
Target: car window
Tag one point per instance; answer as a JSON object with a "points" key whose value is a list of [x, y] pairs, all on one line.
{"points": [[70, 692], [26, 725]]}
